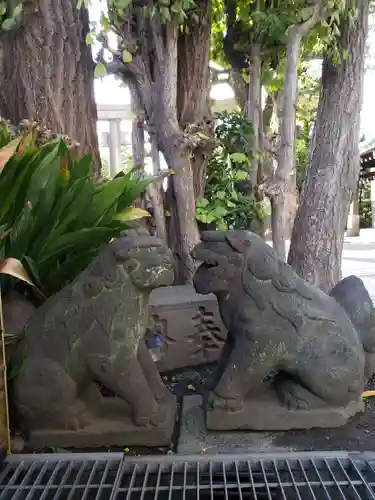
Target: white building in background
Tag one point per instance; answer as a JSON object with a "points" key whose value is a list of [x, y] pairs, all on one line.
{"points": [[115, 118]]}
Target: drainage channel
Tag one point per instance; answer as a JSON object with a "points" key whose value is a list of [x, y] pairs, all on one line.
{"points": [[109, 476]]}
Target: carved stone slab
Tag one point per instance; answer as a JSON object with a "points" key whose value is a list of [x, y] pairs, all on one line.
{"points": [[264, 413], [189, 324], [112, 425]]}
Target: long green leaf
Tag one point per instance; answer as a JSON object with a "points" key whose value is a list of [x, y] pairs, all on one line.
{"points": [[105, 199], [82, 168], [45, 179], [22, 233], [84, 236]]}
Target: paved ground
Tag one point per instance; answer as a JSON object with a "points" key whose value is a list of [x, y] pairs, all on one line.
{"points": [[359, 258]]}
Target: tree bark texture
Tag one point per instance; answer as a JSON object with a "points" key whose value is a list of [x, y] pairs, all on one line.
{"points": [[46, 72], [318, 234], [194, 86], [255, 109], [138, 133], [156, 194]]}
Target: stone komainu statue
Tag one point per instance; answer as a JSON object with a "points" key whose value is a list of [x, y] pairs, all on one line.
{"points": [[313, 347], [92, 332]]}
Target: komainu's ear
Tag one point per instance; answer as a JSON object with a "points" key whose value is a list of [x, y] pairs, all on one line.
{"points": [[237, 243]]}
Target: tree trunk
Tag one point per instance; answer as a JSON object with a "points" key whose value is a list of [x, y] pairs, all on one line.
{"points": [[183, 230], [177, 154], [46, 73], [282, 179], [154, 73], [156, 194], [283, 187], [240, 88], [193, 88], [255, 109], [318, 234], [138, 133]]}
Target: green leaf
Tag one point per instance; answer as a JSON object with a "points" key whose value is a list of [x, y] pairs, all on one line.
{"points": [[131, 213], [306, 13], [221, 195], [126, 56], [8, 24], [165, 13], [33, 270], [82, 167], [104, 22], [89, 39], [83, 3], [203, 202], [17, 10], [83, 237], [241, 175], [238, 157], [220, 212], [122, 4], [100, 70]]}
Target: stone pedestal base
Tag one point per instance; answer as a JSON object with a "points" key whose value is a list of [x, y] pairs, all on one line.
{"points": [[264, 413], [111, 427]]}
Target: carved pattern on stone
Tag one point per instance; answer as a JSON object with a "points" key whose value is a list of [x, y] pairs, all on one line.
{"points": [[210, 335]]}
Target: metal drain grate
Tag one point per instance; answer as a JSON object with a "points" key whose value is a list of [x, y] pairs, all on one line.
{"points": [[110, 477]]}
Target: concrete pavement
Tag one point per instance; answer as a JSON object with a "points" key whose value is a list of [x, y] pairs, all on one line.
{"points": [[359, 259]]}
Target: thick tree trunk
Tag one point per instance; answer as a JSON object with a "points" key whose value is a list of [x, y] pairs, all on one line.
{"points": [[193, 87], [183, 229], [46, 72], [318, 234], [172, 144]]}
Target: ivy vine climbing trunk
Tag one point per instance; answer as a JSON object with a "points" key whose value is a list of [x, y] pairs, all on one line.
{"points": [[46, 72], [318, 234]]}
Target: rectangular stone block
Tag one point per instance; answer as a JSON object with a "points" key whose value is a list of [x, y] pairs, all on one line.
{"points": [[264, 413], [189, 324], [111, 427], [196, 438]]}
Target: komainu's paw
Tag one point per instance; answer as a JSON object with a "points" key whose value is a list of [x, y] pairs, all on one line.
{"points": [[77, 423], [216, 402], [146, 413], [293, 396], [76, 417]]}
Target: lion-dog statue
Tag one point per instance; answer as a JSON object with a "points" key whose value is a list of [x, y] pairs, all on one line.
{"points": [[92, 332], [284, 334]]}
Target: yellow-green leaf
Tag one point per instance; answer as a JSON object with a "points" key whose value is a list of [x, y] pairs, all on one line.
{"points": [[8, 151], [132, 213], [104, 22], [100, 70], [126, 56], [89, 39]]}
